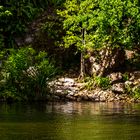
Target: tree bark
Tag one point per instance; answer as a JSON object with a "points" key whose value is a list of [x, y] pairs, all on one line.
{"points": [[82, 69], [82, 65]]}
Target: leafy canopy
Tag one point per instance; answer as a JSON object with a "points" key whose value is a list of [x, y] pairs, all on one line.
{"points": [[110, 23]]}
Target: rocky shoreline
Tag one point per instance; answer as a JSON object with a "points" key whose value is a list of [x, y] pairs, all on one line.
{"points": [[65, 88]]}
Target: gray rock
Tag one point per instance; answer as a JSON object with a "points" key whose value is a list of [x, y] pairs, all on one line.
{"points": [[56, 97], [61, 79], [58, 83], [132, 78], [71, 92], [119, 88], [79, 99], [111, 99], [68, 80], [68, 84], [115, 77], [70, 97], [95, 97], [135, 74], [77, 95], [85, 97], [129, 54], [102, 98], [80, 85], [90, 96], [59, 91]]}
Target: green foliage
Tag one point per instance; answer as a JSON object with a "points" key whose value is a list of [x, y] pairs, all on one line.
{"points": [[27, 73], [1, 41], [77, 16], [90, 83], [55, 2], [5, 15], [53, 30], [96, 81], [125, 76], [110, 23], [102, 82], [18, 61], [134, 61], [14, 18], [136, 92], [44, 3], [4, 12], [133, 91]]}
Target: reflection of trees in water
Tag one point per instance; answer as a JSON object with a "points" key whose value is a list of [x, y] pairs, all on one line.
{"points": [[89, 120], [69, 120], [90, 108], [23, 121], [81, 108]]}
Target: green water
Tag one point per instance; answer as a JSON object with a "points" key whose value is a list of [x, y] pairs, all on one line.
{"points": [[69, 121]]}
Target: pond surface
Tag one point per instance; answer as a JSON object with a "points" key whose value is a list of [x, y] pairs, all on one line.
{"points": [[69, 121]]}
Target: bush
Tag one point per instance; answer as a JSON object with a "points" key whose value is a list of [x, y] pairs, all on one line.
{"points": [[97, 81], [102, 82], [125, 76], [136, 92], [27, 73], [133, 91]]}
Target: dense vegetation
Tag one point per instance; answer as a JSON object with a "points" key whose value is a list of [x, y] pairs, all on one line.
{"points": [[100, 30], [24, 72]]}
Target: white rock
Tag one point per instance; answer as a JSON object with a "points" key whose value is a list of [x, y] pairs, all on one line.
{"points": [[59, 91], [69, 80], [68, 84]]}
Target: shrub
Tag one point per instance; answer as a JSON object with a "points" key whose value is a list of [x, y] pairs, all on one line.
{"points": [[102, 82], [27, 73], [133, 91], [90, 82], [136, 92], [125, 76], [97, 81]]}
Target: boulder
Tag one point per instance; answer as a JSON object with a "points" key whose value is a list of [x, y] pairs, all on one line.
{"points": [[118, 88], [115, 77], [135, 75], [70, 97], [69, 80], [102, 98]]}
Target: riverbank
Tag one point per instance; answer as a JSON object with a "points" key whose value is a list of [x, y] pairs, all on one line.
{"points": [[65, 88]]}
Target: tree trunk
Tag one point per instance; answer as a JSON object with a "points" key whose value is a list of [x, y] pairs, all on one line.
{"points": [[82, 65]]}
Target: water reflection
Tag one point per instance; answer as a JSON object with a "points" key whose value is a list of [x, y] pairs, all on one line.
{"points": [[93, 108], [69, 121]]}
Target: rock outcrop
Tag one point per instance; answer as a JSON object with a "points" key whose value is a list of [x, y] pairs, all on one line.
{"points": [[70, 89]]}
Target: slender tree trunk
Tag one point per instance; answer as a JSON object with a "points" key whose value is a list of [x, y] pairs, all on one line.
{"points": [[82, 66], [82, 69]]}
